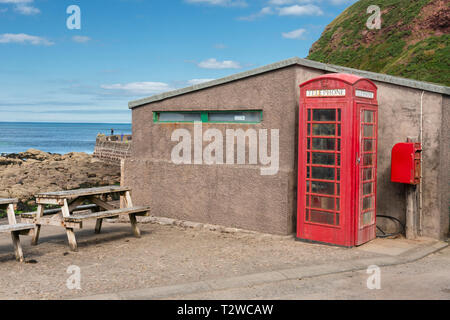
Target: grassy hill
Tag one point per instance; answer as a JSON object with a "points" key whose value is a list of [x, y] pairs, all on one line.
{"points": [[413, 41]]}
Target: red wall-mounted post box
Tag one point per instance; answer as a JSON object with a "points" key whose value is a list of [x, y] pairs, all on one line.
{"points": [[405, 162]]}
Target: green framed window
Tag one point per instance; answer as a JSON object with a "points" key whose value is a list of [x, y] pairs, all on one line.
{"points": [[215, 116]]}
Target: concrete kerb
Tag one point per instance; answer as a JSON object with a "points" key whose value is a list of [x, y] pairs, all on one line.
{"points": [[272, 276]]}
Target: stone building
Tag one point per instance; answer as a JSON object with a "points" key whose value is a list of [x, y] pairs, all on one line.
{"points": [[238, 195]]}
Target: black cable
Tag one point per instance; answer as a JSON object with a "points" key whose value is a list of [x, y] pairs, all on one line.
{"points": [[385, 235]]}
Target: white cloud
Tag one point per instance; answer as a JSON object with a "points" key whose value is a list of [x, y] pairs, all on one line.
{"points": [[26, 10], [297, 10], [263, 12], [339, 2], [22, 6], [16, 1], [287, 2], [280, 2], [24, 38], [295, 34], [223, 3], [138, 87], [220, 46], [198, 81], [81, 39], [214, 64]]}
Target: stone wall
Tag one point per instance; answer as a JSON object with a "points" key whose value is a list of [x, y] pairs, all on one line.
{"points": [[112, 152]]}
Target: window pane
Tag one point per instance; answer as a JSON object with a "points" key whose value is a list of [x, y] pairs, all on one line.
{"points": [[322, 187], [369, 145], [235, 116], [338, 204], [322, 217], [323, 144], [322, 173], [323, 158], [368, 203], [325, 129], [367, 217], [367, 188], [322, 202], [367, 160], [180, 116], [368, 131], [369, 116], [367, 174], [324, 115]]}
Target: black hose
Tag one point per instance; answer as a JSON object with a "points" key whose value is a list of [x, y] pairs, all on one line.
{"points": [[385, 235]]}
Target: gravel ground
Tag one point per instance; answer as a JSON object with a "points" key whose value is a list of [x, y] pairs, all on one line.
{"points": [[165, 255]]}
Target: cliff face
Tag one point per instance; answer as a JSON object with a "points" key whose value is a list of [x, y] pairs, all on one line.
{"points": [[413, 41], [25, 174]]}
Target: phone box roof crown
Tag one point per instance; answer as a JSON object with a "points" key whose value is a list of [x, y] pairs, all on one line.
{"points": [[339, 85]]}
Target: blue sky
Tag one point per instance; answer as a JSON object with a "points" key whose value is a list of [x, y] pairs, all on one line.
{"points": [[130, 49]]}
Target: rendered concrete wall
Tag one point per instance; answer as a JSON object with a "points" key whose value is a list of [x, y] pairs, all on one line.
{"points": [[232, 195], [399, 118], [238, 196]]}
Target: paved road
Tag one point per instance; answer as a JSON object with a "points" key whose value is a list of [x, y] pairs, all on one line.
{"points": [[428, 278]]}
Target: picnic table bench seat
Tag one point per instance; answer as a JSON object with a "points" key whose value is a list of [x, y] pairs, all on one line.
{"points": [[16, 229], [136, 211]]}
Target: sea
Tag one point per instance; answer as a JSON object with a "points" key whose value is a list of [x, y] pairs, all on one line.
{"points": [[54, 137]]}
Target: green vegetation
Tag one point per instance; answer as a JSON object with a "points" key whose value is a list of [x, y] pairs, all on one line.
{"points": [[412, 42]]}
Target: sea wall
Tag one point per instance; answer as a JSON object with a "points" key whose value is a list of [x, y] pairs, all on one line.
{"points": [[112, 149]]}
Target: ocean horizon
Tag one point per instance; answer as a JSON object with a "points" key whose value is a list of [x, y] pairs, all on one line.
{"points": [[55, 137]]}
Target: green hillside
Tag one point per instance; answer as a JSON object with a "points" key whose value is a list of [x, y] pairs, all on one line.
{"points": [[413, 41]]}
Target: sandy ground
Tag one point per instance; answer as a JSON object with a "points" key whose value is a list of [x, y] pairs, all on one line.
{"points": [[115, 261]]}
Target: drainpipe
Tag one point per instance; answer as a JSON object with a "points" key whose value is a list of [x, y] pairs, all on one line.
{"points": [[421, 165]]}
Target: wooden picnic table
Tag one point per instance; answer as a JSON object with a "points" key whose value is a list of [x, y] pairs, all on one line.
{"points": [[72, 201]]}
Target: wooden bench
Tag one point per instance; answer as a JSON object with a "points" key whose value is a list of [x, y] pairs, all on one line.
{"points": [[132, 212], [16, 229], [136, 211]]}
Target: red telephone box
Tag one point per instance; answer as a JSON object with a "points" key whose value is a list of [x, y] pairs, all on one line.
{"points": [[337, 164]]}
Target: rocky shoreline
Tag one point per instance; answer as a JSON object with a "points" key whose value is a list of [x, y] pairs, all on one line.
{"points": [[24, 174]]}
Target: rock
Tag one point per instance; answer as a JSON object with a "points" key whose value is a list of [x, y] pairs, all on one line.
{"points": [[4, 161], [34, 154], [25, 174]]}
